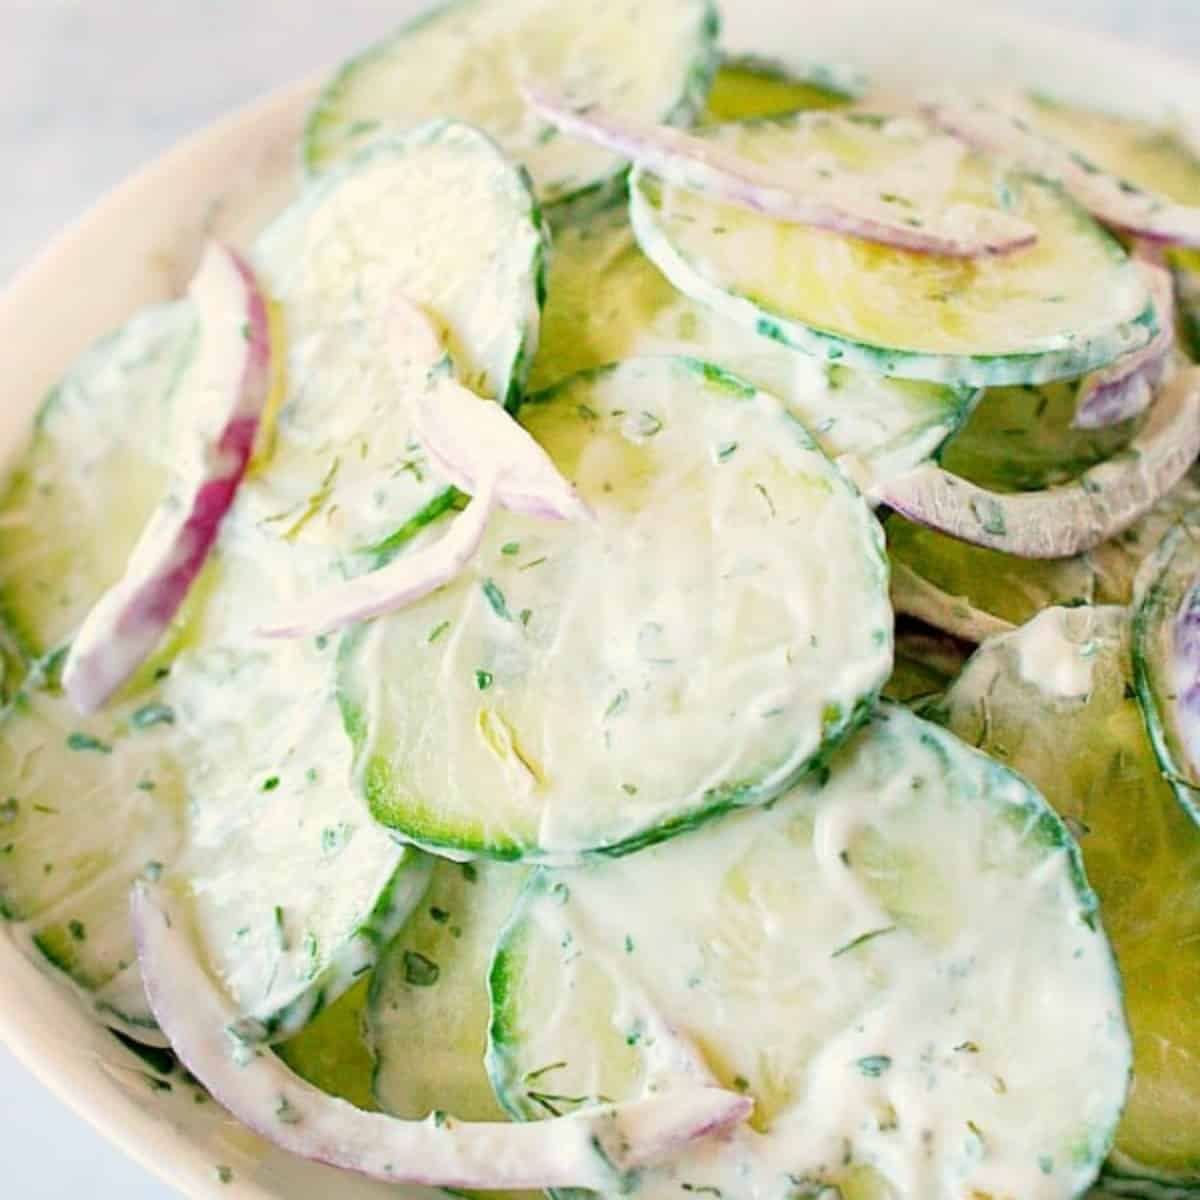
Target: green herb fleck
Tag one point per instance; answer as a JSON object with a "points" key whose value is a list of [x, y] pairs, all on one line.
{"points": [[419, 970], [762, 491], [439, 1118], [510, 548], [990, 515], [483, 680], [153, 871], [628, 944], [224, 1173], [617, 704], [280, 929], [526, 613], [85, 741], [8, 810], [861, 940], [440, 915], [874, 1065], [145, 785], [741, 1083], [630, 789], [437, 631], [78, 930], [470, 872], [270, 783], [495, 598], [150, 715], [725, 451], [286, 1112], [335, 837], [530, 1076], [647, 424]]}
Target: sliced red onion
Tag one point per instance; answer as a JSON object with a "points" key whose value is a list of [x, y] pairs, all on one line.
{"points": [[1127, 387], [915, 596], [1070, 519], [233, 381], [798, 191], [1185, 671], [471, 439], [590, 1149], [1116, 202], [405, 580]]}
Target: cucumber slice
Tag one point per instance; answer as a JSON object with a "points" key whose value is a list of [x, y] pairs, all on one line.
{"points": [[1055, 701], [294, 891], [78, 499], [519, 712], [428, 1015], [926, 664], [1151, 156], [900, 963], [68, 784], [1164, 658], [1020, 439], [437, 216], [468, 60], [607, 302], [749, 86], [332, 1053], [1068, 304], [1185, 267]]}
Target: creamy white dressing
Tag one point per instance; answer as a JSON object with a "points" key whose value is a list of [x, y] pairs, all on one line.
{"points": [[895, 964]]}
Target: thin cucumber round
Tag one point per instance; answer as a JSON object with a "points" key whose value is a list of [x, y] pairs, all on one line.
{"points": [[750, 86], [467, 59], [900, 963], [77, 501], [69, 784], [331, 1053], [427, 1019], [1020, 439], [1164, 657], [607, 302], [293, 890], [729, 602], [1068, 304], [1055, 700]]}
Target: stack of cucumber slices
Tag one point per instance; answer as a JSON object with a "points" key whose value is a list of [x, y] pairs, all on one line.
{"points": [[643, 637]]}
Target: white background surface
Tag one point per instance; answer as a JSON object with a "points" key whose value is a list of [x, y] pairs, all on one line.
{"points": [[92, 89]]}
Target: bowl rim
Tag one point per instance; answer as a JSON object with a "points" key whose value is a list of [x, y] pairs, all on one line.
{"points": [[32, 1006]]}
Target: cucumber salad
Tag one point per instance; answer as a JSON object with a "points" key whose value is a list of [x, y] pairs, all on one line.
{"points": [[643, 636]]}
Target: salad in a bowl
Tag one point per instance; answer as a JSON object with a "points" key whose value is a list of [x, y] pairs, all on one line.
{"points": [[642, 636]]}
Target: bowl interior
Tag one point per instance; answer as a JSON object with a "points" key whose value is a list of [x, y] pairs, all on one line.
{"points": [[139, 245]]}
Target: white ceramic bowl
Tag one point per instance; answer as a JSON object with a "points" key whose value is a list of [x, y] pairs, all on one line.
{"points": [[139, 246]]}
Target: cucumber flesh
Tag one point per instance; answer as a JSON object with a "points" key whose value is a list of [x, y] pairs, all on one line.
{"points": [[864, 959], [428, 1014], [331, 1053], [69, 782], [748, 86], [1164, 657], [1068, 304], [1056, 701], [607, 302], [520, 711], [1020, 439], [468, 60], [80, 496]]}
